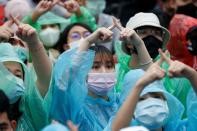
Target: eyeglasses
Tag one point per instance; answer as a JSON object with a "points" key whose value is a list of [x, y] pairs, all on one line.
{"points": [[77, 35], [150, 31]]}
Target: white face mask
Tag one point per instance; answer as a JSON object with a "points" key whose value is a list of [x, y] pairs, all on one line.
{"points": [[152, 113], [96, 7], [49, 36], [101, 83]]}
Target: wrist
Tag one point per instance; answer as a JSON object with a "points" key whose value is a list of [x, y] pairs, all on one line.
{"points": [[90, 39], [35, 16], [141, 84], [189, 73], [35, 47], [78, 12], [136, 40], [34, 43]]}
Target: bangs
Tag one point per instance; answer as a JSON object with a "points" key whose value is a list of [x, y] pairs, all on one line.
{"points": [[103, 54]]}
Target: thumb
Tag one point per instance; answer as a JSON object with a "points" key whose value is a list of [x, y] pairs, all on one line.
{"points": [[71, 126], [8, 23]]}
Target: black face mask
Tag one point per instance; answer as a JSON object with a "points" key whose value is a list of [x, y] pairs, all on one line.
{"points": [[152, 45], [193, 47]]}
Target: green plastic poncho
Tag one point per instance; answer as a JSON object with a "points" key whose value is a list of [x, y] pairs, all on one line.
{"points": [[85, 18], [51, 18], [122, 67], [45, 19], [33, 106]]}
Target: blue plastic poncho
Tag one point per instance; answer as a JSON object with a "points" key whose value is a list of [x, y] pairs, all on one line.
{"points": [[55, 127], [70, 99], [34, 108]]}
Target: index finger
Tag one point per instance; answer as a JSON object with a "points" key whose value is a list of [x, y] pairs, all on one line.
{"points": [[164, 57], [15, 20], [160, 61], [117, 24], [111, 27]]}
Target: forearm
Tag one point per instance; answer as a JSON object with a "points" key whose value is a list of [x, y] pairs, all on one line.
{"points": [[125, 114], [35, 16], [85, 44], [42, 65], [78, 12], [192, 76], [143, 56]]}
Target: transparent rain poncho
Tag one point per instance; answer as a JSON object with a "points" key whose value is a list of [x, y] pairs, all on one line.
{"points": [[55, 127], [122, 66], [46, 19], [70, 93], [179, 87], [51, 18], [23, 53], [34, 108], [176, 109]]}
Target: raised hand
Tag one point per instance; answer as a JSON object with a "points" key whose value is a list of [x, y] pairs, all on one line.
{"points": [[117, 24], [26, 32], [154, 72], [101, 34], [43, 6], [127, 34], [176, 68], [5, 31], [72, 6]]}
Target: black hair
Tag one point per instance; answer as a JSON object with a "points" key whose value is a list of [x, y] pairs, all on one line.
{"points": [[103, 52], [191, 33], [64, 35], [12, 110], [164, 1], [4, 102]]}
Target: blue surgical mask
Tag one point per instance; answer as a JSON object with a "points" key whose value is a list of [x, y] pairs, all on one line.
{"points": [[12, 86], [23, 53], [152, 113]]}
